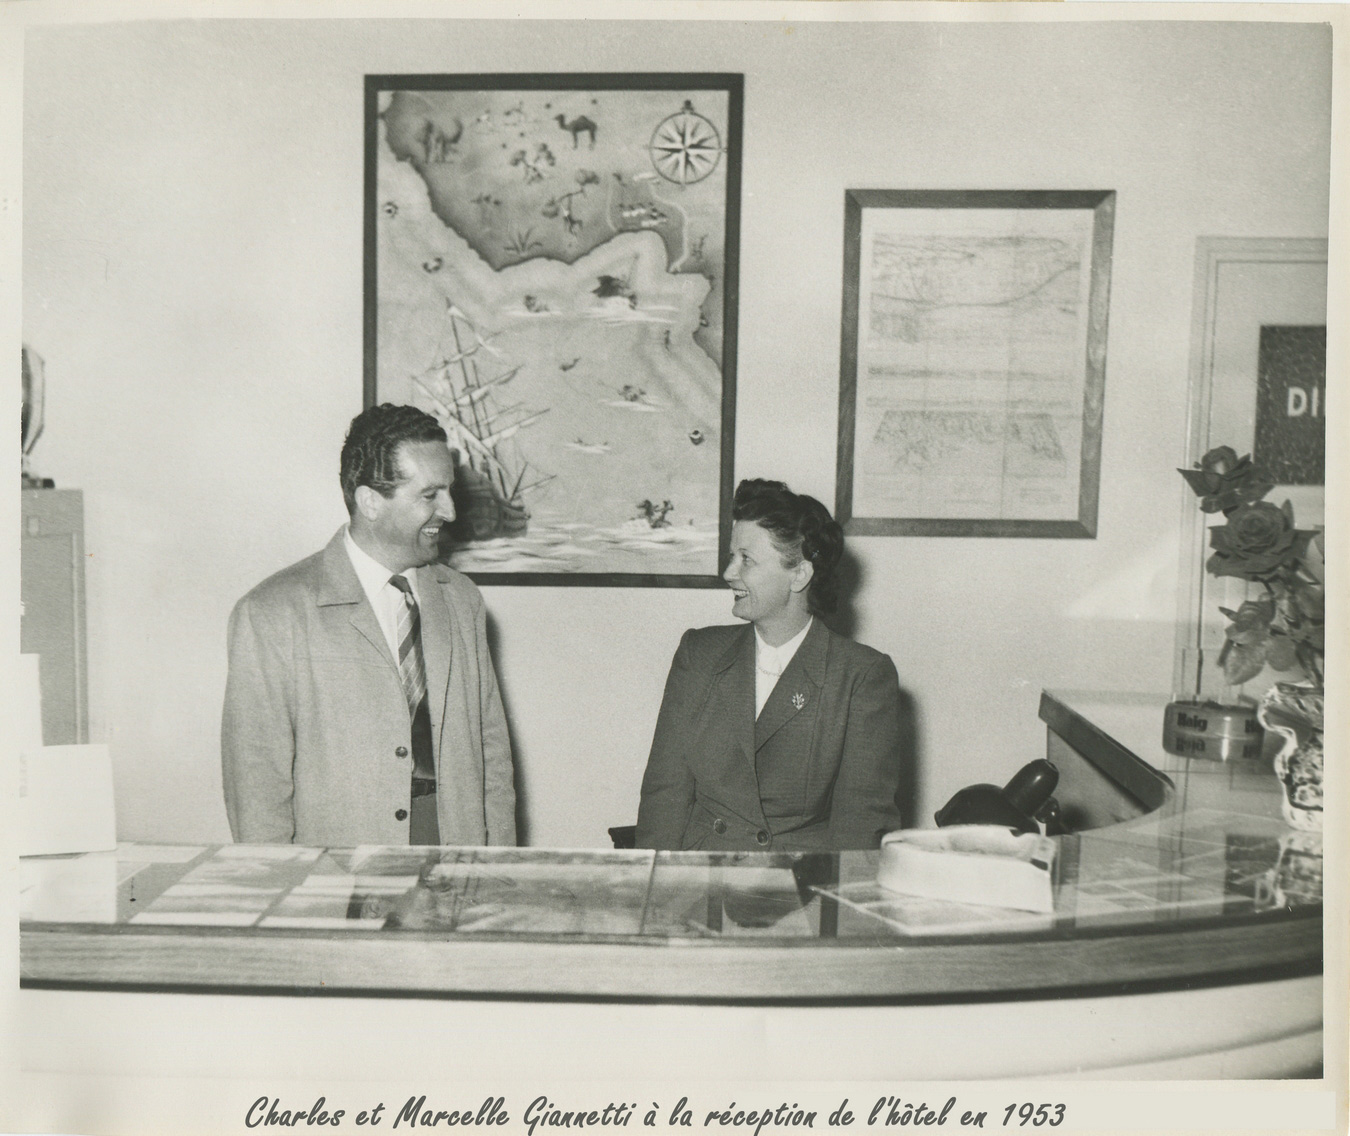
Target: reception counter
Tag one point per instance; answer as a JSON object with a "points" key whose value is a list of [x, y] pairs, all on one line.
{"points": [[1182, 881]]}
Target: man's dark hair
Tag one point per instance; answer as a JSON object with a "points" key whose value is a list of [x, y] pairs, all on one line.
{"points": [[370, 451], [800, 528]]}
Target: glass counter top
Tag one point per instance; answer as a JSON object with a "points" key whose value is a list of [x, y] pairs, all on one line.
{"points": [[1184, 866]]}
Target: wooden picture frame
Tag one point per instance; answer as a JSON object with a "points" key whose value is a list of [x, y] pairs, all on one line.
{"points": [[973, 361], [551, 270]]}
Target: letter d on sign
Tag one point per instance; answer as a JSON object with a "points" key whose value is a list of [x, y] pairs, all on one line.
{"points": [[1297, 406]]}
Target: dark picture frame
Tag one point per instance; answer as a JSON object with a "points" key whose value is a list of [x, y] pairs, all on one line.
{"points": [[973, 360], [551, 269]]}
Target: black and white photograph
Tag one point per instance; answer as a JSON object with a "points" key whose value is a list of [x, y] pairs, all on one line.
{"points": [[671, 565]]}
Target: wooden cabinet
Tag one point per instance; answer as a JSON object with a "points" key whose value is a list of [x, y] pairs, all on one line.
{"points": [[53, 623]]}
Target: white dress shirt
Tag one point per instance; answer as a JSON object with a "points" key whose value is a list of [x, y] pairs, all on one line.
{"points": [[770, 662], [386, 599]]}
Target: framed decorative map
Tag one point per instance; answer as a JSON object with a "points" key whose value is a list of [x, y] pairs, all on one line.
{"points": [[973, 362], [551, 267]]}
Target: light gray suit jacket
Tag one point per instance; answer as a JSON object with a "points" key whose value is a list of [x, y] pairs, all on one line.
{"points": [[315, 735]]}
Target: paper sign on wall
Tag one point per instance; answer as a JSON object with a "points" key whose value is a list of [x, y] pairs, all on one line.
{"points": [[66, 800]]}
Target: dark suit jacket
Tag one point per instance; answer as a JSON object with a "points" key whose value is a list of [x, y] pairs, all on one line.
{"points": [[819, 769]]}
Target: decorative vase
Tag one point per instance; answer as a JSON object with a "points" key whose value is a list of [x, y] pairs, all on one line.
{"points": [[33, 387], [1294, 711]]}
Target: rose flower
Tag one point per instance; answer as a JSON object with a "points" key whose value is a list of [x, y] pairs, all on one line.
{"points": [[1256, 540], [1223, 481]]}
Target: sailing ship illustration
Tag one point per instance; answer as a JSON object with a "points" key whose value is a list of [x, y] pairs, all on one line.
{"points": [[493, 478]]}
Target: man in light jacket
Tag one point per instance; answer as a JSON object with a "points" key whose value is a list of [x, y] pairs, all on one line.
{"points": [[361, 705]]}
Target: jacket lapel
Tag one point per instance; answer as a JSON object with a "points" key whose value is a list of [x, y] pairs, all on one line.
{"points": [[798, 686], [341, 585]]}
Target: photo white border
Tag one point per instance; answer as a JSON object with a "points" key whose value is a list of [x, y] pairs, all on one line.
{"points": [[148, 1103]]}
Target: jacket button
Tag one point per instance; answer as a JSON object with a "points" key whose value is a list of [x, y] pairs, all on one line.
{"points": [[719, 826], [400, 814], [402, 751], [761, 837]]}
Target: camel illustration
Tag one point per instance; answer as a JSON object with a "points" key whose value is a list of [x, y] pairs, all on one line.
{"points": [[578, 126]]}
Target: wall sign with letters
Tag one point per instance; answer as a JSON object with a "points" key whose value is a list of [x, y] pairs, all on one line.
{"points": [[1291, 382]]}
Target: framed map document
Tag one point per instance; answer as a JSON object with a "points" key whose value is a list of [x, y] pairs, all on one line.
{"points": [[551, 268], [973, 361]]}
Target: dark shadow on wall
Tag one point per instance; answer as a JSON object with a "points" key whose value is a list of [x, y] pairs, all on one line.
{"points": [[844, 621]]}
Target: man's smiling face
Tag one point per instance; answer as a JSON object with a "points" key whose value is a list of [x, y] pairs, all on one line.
{"points": [[402, 530]]}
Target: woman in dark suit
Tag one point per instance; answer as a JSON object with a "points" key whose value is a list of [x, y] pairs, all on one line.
{"points": [[781, 735]]}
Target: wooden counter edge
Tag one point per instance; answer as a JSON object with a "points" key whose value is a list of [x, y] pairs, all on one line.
{"points": [[703, 969]]}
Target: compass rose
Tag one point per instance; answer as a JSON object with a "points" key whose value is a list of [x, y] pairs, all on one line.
{"points": [[685, 147]]}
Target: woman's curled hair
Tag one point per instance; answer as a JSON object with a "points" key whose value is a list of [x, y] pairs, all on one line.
{"points": [[800, 528]]}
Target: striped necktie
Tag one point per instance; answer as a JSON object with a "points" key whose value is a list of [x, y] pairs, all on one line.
{"points": [[412, 668], [423, 825]]}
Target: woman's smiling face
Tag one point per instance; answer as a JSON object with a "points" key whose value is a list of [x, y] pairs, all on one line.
{"points": [[763, 588]]}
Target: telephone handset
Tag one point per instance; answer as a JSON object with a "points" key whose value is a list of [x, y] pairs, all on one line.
{"points": [[1019, 805]]}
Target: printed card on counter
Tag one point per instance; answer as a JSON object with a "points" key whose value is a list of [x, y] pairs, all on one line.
{"points": [[972, 863]]}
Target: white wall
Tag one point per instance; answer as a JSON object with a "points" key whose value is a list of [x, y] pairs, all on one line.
{"points": [[192, 261]]}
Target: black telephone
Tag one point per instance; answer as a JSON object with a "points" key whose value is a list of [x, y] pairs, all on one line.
{"points": [[1019, 805]]}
